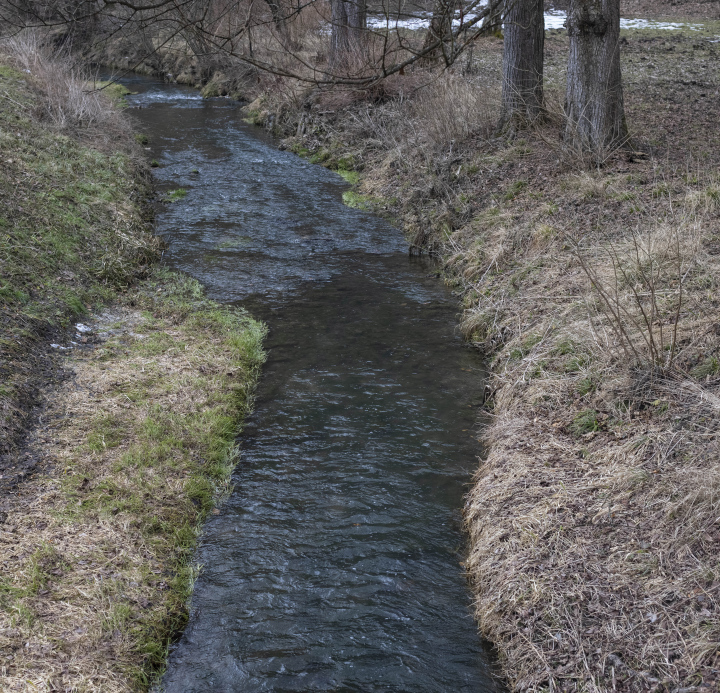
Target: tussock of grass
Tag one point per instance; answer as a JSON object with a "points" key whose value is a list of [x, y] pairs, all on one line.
{"points": [[66, 98], [96, 561], [175, 195]]}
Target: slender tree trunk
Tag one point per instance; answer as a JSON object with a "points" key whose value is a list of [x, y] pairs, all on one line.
{"points": [[440, 29], [522, 88], [276, 11], [594, 98], [348, 19], [283, 16]]}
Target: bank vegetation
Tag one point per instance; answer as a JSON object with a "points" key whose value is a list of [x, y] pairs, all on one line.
{"points": [[584, 255], [123, 390]]}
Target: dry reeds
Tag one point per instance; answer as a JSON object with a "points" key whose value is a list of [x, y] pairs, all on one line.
{"points": [[66, 100], [453, 108], [593, 520]]}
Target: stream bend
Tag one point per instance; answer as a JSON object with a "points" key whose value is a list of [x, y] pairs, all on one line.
{"points": [[335, 563]]}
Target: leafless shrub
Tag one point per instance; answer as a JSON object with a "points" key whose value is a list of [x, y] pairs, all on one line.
{"points": [[67, 99], [640, 286]]}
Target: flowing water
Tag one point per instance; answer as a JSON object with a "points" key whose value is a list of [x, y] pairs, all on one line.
{"points": [[335, 563]]}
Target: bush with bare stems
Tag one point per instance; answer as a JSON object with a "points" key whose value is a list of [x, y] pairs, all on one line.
{"points": [[67, 99]]}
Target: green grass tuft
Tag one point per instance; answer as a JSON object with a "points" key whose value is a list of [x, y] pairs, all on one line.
{"points": [[586, 421], [175, 195]]}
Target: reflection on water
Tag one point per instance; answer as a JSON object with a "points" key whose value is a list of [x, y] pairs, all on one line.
{"points": [[334, 565]]}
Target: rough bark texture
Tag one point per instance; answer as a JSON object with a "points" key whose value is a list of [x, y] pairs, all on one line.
{"points": [[349, 23], [594, 97], [522, 89]]}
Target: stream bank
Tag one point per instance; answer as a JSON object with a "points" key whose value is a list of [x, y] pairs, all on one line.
{"points": [[123, 391], [593, 520]]}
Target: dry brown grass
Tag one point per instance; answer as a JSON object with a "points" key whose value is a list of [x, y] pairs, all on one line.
{"points": [[593, 520], [138, 445], [65, 98]]}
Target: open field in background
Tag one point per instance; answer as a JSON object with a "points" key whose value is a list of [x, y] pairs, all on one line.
{"points": [[657, 9], [114, 452]]}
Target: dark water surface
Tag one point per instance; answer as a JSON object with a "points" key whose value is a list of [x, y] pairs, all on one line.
{"points": [[334, 565]]}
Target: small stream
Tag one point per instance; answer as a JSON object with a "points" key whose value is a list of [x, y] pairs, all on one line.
{"points": [[335, 563]]}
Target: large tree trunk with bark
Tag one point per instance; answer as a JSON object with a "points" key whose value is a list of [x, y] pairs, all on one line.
{"points": [[524, 42], [283, 15], [594, 98], [348, 20]]}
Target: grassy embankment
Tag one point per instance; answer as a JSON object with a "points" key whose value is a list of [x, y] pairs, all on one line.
{"points": [[136, 439], [593, 291]]}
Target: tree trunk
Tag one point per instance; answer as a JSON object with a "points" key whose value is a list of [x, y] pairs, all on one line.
{"points": [[277, 13], [348, 20], [440, 29], [594, 98], [279, 16], [522, 88]]}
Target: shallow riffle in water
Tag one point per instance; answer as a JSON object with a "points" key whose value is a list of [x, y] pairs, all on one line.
{"points": [[336, 562]]}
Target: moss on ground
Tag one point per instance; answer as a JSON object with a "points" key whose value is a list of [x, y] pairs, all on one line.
{"points": [[114, 90]]}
